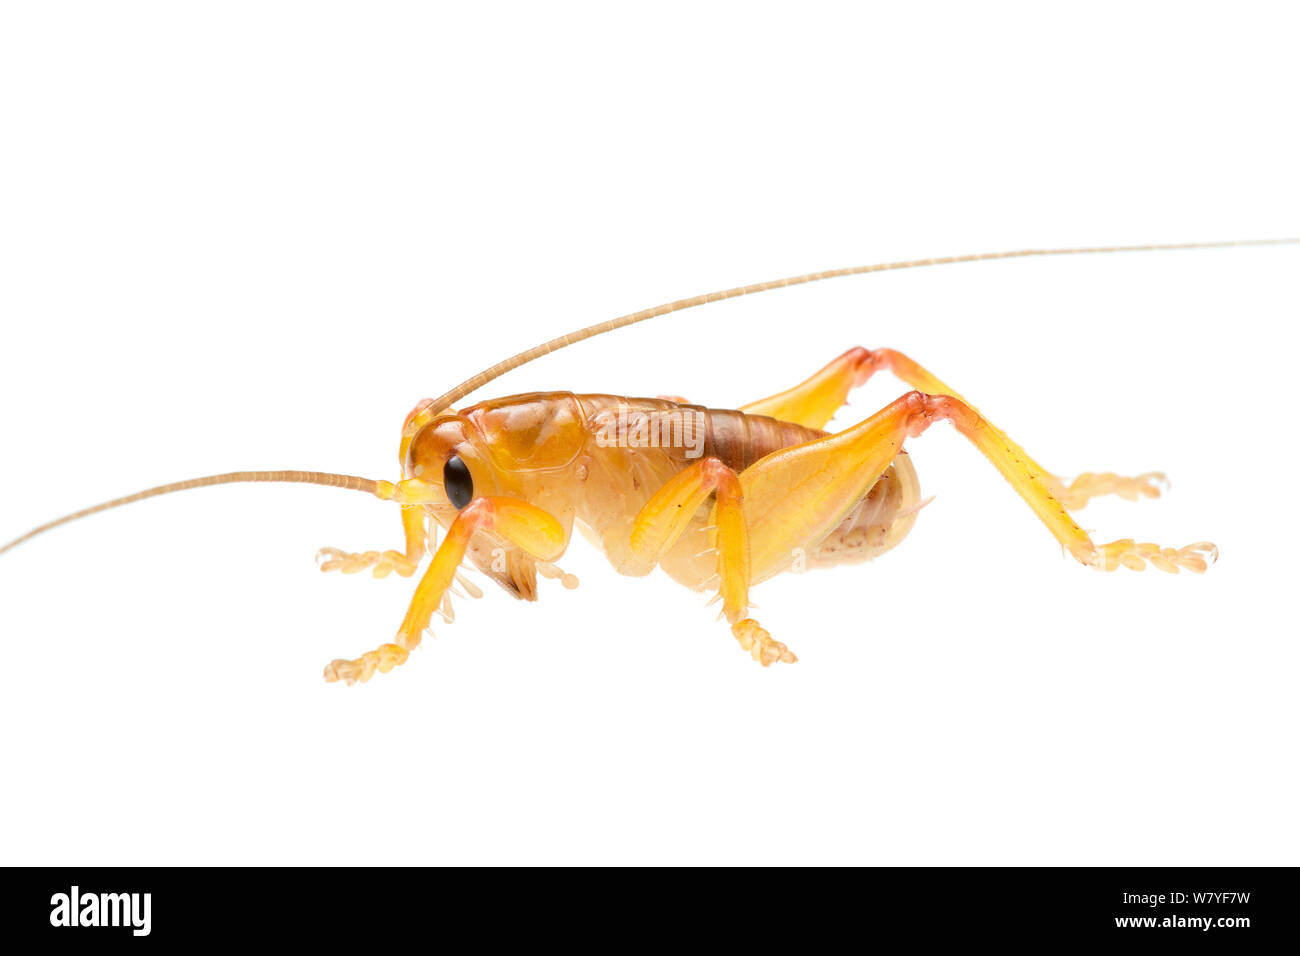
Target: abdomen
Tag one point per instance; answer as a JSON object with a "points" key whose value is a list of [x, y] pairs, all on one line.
{"points": [[635, 445]]}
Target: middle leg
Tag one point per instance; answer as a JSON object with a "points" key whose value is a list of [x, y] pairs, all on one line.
{"points": [[667, 515]]}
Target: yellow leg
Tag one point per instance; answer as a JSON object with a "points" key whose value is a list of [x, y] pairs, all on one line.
{"points": [[797, 495], [382, 563], [1073, 495], [813, 402], [1077, 493], [669, 513], [517, 522]]}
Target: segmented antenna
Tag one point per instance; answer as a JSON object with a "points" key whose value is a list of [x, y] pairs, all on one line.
{"points": [[446, 400], [385, 490], [381, 489]]}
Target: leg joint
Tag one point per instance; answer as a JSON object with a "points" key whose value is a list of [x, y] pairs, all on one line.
{"points": [[922, 410], [716, 473]]}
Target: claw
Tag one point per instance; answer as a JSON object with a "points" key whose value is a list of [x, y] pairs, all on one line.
{"points": [[548, 570], [383, 659], [1133, 555], [1091, 485], [381, 564], [760, 644]]}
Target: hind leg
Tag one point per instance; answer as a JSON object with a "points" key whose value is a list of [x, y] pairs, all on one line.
{"points": [[1073, 495], [801, 493], [1077, 493], [814, 401], [787, 502]]}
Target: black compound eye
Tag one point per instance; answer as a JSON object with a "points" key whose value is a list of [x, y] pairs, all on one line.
{"points": [[457, 481]]}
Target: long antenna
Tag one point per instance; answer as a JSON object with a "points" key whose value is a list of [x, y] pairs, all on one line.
{"points": [[347, 482], [448, 399], [387, 491]]}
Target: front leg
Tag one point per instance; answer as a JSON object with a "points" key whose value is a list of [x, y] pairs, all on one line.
{"points": [[383, 563], [517, 522]]}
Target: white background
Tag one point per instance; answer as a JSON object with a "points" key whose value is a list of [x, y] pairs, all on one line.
{"points": [[252, 235]]}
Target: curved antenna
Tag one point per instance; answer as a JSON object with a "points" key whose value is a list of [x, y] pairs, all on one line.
{"points": [[428, 409], [448, 399], [381, 489]]}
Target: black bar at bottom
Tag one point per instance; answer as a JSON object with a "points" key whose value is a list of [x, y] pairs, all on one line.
{"points": [[1231, 907]]}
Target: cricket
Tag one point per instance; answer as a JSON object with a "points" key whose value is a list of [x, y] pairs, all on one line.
{"points": [[719, 499]]}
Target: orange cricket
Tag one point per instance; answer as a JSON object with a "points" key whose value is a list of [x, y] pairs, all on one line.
{"points": [[720, 499]]}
